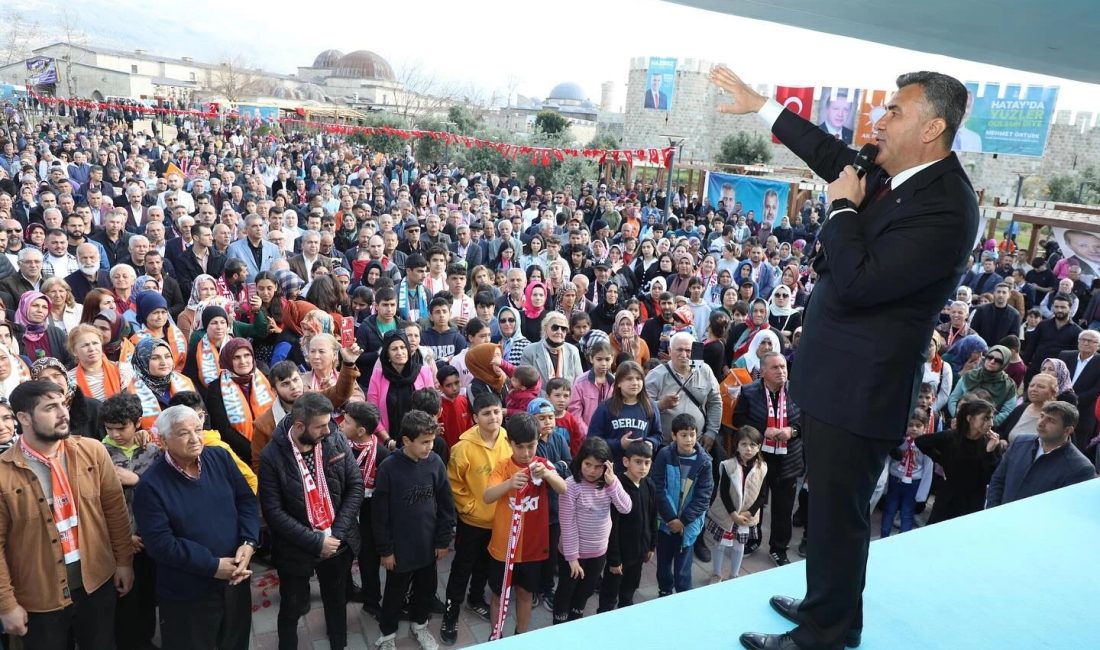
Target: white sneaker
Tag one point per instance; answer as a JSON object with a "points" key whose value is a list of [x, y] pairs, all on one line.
{"points": [[423, 637], [388, 642]]}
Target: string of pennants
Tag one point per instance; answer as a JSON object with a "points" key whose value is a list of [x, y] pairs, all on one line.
{"points": [[543, 156]]}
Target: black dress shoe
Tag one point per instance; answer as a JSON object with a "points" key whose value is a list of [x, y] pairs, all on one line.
{"points": [[788, 609], [754, 641], [701, 550]]}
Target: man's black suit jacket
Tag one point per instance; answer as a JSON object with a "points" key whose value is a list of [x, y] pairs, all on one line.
{"points": [[886, 274], [1087, 388]]}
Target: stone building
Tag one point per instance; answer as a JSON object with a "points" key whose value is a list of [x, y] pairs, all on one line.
{"points": [[1073, 143]]}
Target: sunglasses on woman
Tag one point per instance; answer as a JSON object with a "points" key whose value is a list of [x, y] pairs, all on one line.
{"points": [[994, 358]]}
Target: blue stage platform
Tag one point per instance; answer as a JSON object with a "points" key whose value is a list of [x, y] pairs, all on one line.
{"points": [[1025, 575]]}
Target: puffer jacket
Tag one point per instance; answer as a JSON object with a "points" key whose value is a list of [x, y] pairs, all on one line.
{"points": [[296, 546], [733, 498], [752, 409]]}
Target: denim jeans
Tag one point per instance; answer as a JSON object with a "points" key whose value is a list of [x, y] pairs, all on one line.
{"points": [[901, 496], [673, 563]]}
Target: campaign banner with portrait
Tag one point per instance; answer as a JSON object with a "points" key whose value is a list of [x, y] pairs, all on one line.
{"points": [[1082, 249], [41, 71], [836, 112], [872, 106], [660, 83], [258, 114], [1016, 123], [765, 199]]}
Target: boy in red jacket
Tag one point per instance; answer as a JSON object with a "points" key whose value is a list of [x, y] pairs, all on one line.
{"points": [[455, 415], [566, 424]]}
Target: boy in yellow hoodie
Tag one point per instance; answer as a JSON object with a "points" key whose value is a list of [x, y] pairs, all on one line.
{"points": [[472, 461]]}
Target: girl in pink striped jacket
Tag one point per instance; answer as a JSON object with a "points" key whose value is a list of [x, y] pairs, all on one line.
{"points": [[584, 513]]}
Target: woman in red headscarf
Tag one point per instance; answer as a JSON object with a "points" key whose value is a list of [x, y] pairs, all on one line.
{"points": [[238, 397]]}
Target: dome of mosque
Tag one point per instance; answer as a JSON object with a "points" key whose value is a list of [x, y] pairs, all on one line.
{"points": [[327, 59], [567, 91], [363, 64]]}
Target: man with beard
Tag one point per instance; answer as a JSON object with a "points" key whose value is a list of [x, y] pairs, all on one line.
{"points": [[61, 575], [998, 319], [310, 491], [658, 330], [1052, 337], [90, 274]]}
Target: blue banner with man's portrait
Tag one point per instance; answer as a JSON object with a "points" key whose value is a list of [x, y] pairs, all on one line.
{"points": [[763, 198], [1017, 123], [660, 83]]}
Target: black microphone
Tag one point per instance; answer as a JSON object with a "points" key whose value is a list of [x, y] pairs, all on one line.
{"points": [[865, 159]]}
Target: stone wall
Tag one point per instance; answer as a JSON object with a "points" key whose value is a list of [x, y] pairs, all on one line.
{"points": [[1073, 144]]}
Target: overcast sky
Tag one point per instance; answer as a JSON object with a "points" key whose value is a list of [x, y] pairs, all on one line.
{"points": [[537, 44]]}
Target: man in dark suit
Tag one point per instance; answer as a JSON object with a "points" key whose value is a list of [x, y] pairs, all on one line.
{"points": [[155, 267], [654, 98], [199, 258], [464, 250], [1084, 368], [836, 112], [867, 325]]}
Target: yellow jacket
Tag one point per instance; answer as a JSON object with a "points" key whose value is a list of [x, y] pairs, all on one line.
{"points": [[472, 461], [212, 438]]}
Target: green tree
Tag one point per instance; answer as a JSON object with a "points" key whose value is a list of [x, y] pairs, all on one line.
{"points": [[744, 149], [1062, 188], [428, 149], [462, 120], [551, 123], [604, 140], [387, 144]]}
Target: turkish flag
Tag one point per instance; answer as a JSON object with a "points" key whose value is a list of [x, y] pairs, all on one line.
{"points": [[797, 100]]}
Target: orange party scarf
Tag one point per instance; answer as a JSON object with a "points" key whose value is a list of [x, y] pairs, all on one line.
{"points": [[243, 411], [112, 381], [206, 359], [172, 335], [64, 501]]}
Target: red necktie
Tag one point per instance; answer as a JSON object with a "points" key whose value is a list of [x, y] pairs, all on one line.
{"points": [[882, 191]]}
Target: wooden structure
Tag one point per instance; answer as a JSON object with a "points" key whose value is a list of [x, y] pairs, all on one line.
{"points": [[1062, 215]]}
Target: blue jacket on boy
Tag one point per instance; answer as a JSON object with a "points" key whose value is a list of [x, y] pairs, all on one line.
{"points": [[682, 494]]}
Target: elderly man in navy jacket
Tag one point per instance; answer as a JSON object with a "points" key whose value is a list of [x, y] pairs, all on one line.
{"points": [[1037, 464]]}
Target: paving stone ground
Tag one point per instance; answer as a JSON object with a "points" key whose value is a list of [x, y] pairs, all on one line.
{"points": [[363, 628]]}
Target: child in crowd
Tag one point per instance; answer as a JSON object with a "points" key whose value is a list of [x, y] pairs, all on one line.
{"points": [[477, 331], [478, 451], [633, 535], [736, 511], [629, 415], [132, 453], [360, 421], [585, 515], [525, 385], [682, 477], [568, 427], [555, 449], [520, 487], [430, 401], [455, 414], [593, 387], [909, 469], [412, 503], [442, 338]]}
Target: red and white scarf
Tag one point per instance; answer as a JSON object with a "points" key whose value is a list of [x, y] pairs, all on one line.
{"points": [[777, 419], [514, 531], [318, 501], [64, 501], [908, 462], [366, 457]]}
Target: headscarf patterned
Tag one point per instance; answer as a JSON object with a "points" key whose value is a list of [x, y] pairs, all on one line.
{"points": [[140, 361]]}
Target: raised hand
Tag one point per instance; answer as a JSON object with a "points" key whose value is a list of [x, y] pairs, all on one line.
{"points": [[745, 99]]}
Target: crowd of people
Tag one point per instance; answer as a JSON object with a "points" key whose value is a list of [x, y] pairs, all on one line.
{"points": [[225, 344]]}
